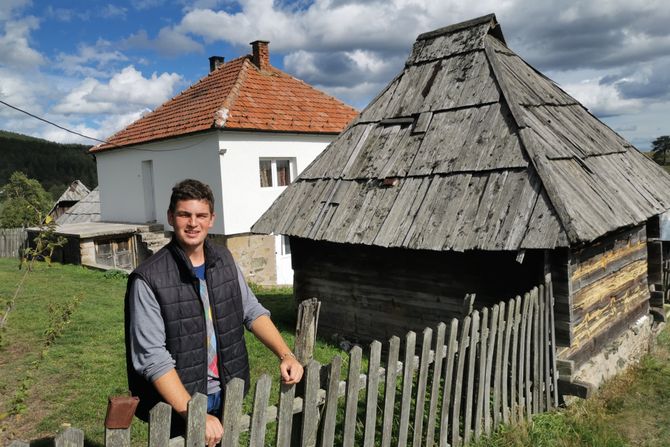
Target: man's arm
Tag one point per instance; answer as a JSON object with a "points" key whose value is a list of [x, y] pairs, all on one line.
{"points": [[265, 330]]}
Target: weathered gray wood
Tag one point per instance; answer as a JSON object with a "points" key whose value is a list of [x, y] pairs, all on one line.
{"points": [[372, 394], [330, 412], [452, 347], [232, 411], [514, 395], [408, 377], [195, 420], [522, 357], [501, 369], [463, 344], [421, 388], [19, 444], [285, 415], [259, 411], [535, 392], [553, 347], [160, 418], [70, 437], [390, 390], [306, 326], [542, 404], [469, 396], [481, 372], [547, 345], [492, 334], [117, 437], [310, 412], [351, 405], [435, 387], [528, 357]]}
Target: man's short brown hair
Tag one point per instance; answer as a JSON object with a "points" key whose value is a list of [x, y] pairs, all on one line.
{"points": [[191, 189]]}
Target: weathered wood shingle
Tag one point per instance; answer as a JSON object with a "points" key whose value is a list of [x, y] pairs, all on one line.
{"points": [[471, 148]]}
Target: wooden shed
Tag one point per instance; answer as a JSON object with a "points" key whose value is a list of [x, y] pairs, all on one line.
{"points": [[472, 172]]}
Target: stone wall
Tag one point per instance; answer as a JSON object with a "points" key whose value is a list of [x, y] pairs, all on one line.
{"points": [[255, 254]]}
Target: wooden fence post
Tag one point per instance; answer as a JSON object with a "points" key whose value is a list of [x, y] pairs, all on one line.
{"points": [[305, 331], [70, 437]]}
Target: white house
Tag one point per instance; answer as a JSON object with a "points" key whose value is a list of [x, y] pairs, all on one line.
{"points": [[247, 129]]}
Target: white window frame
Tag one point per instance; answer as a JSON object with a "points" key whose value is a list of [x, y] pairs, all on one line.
{"points": [[273, 170]]}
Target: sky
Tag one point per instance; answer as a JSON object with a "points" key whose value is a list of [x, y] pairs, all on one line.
{"points": [[96, 66]]}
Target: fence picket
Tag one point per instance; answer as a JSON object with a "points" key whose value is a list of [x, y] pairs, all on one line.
{"points": [[499, 377], [547, 342], [405, 405], [70, 437], [435, 387], [456, 413], [195, 420], [232, 410], [522, 357], [258, 415], [285, 415], [529, 337], [310, 410], [493, 335], [452, 347], [472, 356], [516, 326], [553, 347], [372, 393], [351, 405], [330, 413], [540, 342], [19, 444], [421, 388], [481, 372], [160, 418], [390, 390]]}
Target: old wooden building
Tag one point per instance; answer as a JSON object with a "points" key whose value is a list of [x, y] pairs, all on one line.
{"points": [[471, 172]]}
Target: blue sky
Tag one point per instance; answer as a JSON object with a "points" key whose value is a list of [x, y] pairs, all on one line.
{"points": [[95, 66]]}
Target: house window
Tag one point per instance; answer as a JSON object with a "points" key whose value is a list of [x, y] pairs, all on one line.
{"points": [[114, 253], [276, 171], [285, 246]]}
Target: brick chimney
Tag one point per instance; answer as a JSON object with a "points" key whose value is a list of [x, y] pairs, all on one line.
{"points": [[215, 62], [261, 53]]}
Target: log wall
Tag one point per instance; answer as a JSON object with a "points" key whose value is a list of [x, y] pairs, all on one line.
{"points": [[373, 293], [608, 291]]}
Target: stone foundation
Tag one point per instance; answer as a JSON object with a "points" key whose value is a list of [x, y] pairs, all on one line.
{"points": [[255, 254], [624, 351]]}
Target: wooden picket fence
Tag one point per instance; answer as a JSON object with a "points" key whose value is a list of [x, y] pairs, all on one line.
{"points": [[496, 365], [12, 240]]}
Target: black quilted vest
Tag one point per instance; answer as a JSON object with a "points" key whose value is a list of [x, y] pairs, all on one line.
{"points": [[169, 274]]}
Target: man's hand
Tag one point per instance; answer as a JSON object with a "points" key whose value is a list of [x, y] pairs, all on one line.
{"points": [[213, 431], [291, 370]]}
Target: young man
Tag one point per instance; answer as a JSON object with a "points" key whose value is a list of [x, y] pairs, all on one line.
{"points": [[186, 309]]}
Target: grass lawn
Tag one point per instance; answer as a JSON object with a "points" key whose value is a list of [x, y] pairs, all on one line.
{"points": [[61, 355], [62, 352]]}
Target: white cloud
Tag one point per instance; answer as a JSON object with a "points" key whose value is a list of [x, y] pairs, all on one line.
{"points": [[168, 43], [126, 92], [8, 8], [111, 12], [91, 60], [15, 49], [99, 129], [602, 99]]}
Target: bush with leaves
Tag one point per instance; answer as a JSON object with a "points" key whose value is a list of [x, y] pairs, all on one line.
{"points": [[24, 202]]}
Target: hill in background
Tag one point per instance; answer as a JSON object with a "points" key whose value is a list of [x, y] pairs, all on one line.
{"points": [[54, 165]]}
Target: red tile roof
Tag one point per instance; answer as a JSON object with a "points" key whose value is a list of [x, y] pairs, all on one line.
{"points": [[247, 98]]}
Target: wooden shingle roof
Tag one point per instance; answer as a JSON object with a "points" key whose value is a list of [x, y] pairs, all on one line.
{"points": [[238, 95], [471, 148]]}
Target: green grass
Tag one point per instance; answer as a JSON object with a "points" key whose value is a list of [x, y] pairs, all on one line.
{"points": [[67, 381]]}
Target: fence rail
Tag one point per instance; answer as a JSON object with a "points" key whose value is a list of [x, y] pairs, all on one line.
{"points": [[495, 366], [12, 240]]}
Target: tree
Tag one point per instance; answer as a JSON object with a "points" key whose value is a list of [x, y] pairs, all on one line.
{"points": [[660, 148], [24, 202]]}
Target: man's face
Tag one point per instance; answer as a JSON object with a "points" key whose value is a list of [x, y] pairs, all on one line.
{"points": [[191, 221]]}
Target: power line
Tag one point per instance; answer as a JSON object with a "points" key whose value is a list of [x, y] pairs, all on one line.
{"points": [[56, 125]]}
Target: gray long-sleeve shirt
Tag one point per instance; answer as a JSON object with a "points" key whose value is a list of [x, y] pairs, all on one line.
{"points": [[148, 351]]}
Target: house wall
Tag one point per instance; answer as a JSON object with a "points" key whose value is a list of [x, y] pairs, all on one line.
{"points": [[243, 197], [255, 255], [121, 183], [607, 291], [374, 293]]}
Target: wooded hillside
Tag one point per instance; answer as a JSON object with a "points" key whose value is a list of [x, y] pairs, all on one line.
{"points": [[54, 165]]}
